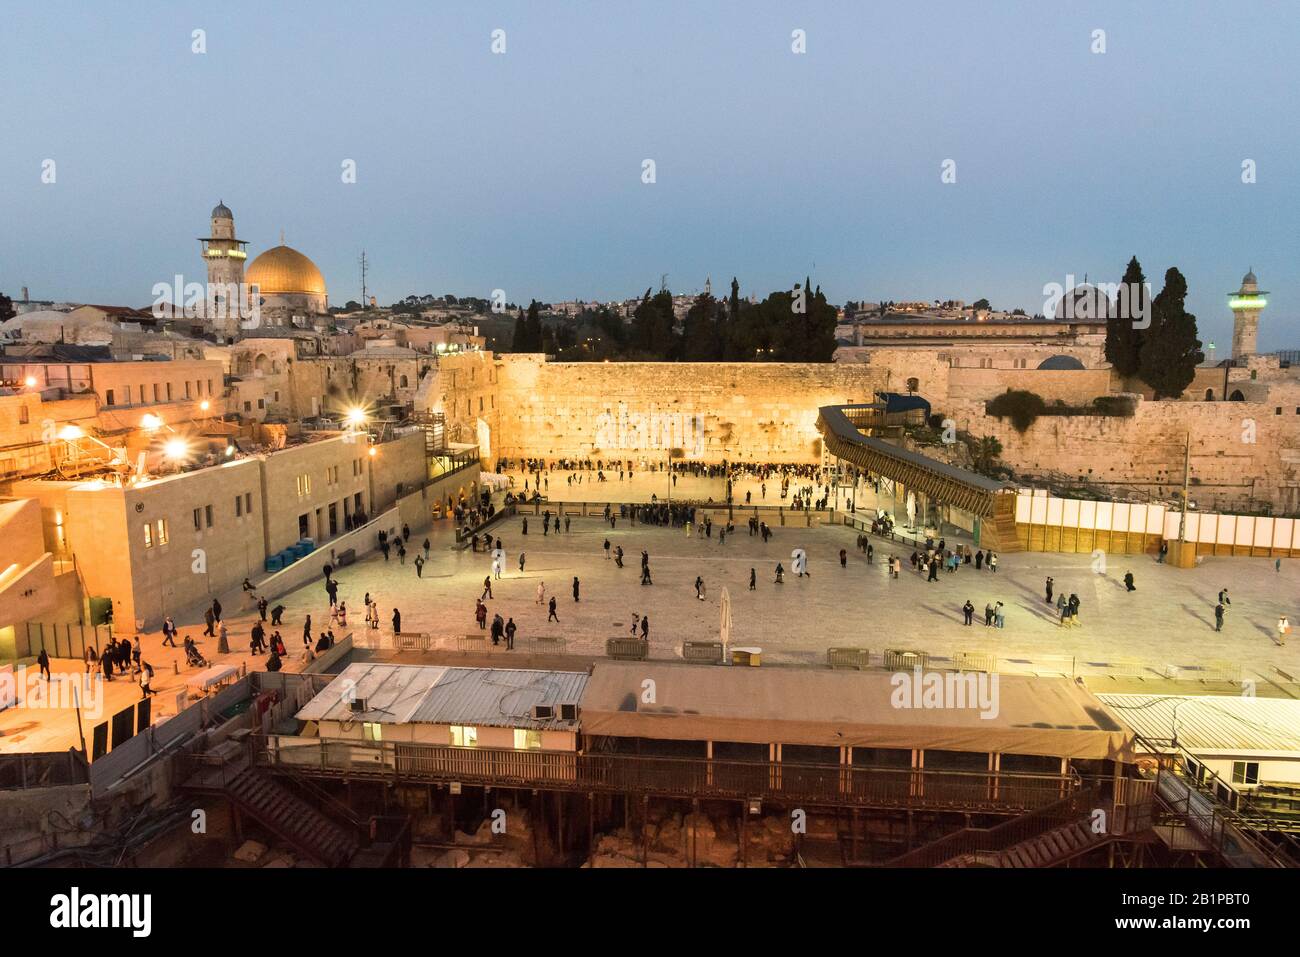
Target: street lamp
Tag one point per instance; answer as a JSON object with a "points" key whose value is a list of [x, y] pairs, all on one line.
{"points": [[176, 449]]}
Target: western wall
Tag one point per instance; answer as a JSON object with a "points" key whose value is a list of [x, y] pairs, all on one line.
{"points": [[1244, 455]]}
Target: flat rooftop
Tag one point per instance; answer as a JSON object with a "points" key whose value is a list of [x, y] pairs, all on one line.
{"points": [[1209, 724], [422, 694]]}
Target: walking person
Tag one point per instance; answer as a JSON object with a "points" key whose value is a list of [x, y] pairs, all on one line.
{"points": [[1283, 629], [169, 631], [541, 593], [699, 588], [487, 588], [397, 621], [753, 579], [1049, 589], [146, 677], [575, 587], [968, 611], [210, 620], [511, 628], [993, 562], [1218, 617], [43, 660], [552, 616], [1128, 582], [844, 559], [419, 567]]}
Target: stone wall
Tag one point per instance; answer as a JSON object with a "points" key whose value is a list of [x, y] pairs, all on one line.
{"points": [[759, 412]]}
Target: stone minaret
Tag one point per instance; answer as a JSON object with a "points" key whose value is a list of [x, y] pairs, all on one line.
{"points": [[225, 255], [1246, 304]]}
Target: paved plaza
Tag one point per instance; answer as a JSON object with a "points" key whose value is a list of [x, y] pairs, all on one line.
{"points": [[1167, 621]]}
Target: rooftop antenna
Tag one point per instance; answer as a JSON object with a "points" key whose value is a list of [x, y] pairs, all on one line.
{"points": [[364, 269]]}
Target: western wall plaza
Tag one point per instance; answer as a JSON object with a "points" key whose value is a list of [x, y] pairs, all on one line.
{"points": [[800, 464]]}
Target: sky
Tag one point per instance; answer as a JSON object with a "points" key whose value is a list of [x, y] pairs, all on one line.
{"points": [[523, 170]]}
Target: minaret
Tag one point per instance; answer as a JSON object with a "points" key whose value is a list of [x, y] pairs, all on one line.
{"points": [[1246, 304], [225, 257]]}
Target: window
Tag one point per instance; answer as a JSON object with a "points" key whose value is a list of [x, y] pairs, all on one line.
{"points": [[148, 535], [207, 510], [1279, 411], [248, 407], [110, 398], [480, 403], [209, 387], [1245, 772], [160, 531], [527, 740], [261, 403], [372, 731], [304, 485], [23, 416], [239, 506], [198, 519], [169, 391], [155, 391], [187, 388], [463, 736], [248, 503]]}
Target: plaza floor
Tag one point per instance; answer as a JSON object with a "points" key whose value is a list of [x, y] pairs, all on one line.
{"points": [[1167, 623]]}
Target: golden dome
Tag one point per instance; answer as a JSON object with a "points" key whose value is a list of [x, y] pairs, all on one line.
{"points": [[283, 270]]}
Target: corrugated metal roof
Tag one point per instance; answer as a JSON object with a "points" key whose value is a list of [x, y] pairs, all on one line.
{"points": [[488, 697], [496, 697], [1204, 724]]}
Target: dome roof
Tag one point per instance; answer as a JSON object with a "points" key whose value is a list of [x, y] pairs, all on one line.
{"points": [[284, 270], [222, 211], [1060, 362], [1084, 301], [1249, 278]]}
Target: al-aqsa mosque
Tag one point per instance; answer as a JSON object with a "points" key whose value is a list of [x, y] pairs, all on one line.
{"points": [[290, 287]]}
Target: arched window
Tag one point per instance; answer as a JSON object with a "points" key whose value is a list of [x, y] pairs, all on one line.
{"points": [[401, 383], [1209, 395], [1236, 396]]}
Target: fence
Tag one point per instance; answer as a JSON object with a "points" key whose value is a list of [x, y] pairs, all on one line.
{"points": [[1046, 523], [61, 640], [835, 784], [42, 770]]}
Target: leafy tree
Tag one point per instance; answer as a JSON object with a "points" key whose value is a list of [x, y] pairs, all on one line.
{"points": [[702, 338], [1020, 406], [652, 325], [981, 304], [1171, 350], [1123, 339]]}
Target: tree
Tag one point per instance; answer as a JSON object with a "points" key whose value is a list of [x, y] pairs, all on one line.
{"points": [[702, 339], [1171, 350], [520, 341], [985, 453], [533, 324], [981, 304], [652, 325], [1123, 339]]}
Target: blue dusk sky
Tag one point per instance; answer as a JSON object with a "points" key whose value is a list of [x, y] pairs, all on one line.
{"points": [[523, 170]]}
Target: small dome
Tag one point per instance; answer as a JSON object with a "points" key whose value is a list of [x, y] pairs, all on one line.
{"points": [[283, 270], [1060, 362], [1250, 278], [222, 211], [1084, 301]]}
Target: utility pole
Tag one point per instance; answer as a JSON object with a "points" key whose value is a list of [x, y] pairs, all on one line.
{"points": [[1187, 474], [365, 303]]}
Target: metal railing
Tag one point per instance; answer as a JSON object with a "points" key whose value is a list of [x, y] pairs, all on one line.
{"points": [[685, 777], [991, 840], [43, 770]]}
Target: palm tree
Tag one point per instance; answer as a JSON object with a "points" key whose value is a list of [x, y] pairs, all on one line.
{"points": [[985, 453]]}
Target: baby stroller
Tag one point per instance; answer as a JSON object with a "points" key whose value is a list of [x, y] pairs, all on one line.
{"points": [[193, 657]]}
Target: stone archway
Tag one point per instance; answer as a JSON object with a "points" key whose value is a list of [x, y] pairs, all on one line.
{"points": [[1236, 396]]}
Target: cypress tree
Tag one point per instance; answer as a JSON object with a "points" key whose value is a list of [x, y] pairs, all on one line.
{"points": [[1170, 349], [1123, 339]]}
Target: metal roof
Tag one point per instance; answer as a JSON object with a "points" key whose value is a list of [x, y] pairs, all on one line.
{"points": [[482, 697], [1230, 724]]}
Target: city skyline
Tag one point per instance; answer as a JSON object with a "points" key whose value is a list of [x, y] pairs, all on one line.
{"points": [[478, 171]]}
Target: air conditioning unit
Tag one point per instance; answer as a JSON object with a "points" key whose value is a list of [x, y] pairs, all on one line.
{"points": [[543, 711], [569, 711], [357, 705]]}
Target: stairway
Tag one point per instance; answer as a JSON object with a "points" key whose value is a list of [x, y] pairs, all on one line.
{"points": [[267, 800], [1002, 524], [1043, 850]]}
